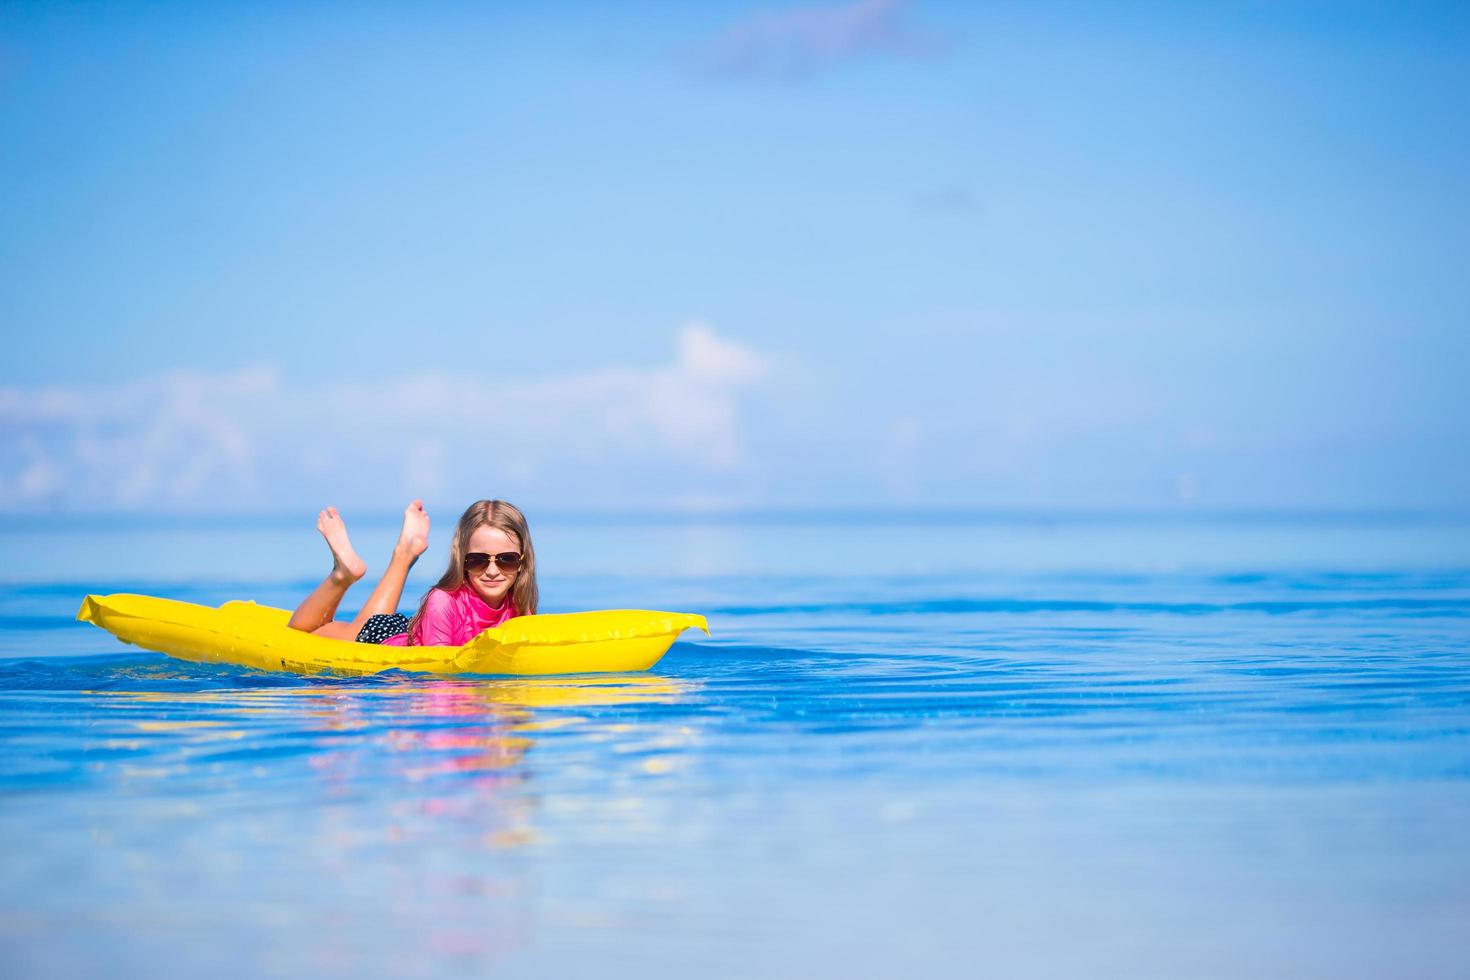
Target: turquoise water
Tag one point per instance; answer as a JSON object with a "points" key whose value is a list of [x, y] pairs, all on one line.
{"points": [[958, 744]]}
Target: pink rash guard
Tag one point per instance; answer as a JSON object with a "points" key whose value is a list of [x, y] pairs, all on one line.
{"points": [[452, 619]]}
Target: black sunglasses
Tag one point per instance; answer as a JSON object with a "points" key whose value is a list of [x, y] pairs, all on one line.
{"points": [[478, 561]]}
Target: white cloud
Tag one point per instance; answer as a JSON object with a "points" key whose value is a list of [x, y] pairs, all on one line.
{"points": [[247, 439], [795, 41], [706, 357], [163, 439]]}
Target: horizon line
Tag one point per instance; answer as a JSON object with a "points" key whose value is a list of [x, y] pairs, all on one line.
{"points": [[809, 515]]}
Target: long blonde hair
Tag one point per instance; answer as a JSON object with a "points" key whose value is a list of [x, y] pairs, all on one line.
{"points": [[508, 518]]}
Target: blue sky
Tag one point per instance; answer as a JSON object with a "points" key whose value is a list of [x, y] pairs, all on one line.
{"points": [[255, 257]]}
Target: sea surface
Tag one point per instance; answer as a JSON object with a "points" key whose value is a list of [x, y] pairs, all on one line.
{"points": [[945, 744]]}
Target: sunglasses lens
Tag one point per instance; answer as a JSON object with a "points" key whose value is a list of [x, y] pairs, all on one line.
{"points": [[506, 561]]}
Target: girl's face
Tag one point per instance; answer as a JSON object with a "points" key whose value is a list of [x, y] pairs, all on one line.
{"points": [[492, 584]]}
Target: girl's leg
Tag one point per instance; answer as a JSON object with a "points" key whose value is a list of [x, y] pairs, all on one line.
{"points": [[413, 538], [319, 607]]}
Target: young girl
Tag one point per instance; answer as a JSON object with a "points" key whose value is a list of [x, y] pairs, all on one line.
{"points": [[491, 578]]}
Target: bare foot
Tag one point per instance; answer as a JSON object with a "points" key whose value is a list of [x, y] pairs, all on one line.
{"points": [[414, 538], [346, 566]]}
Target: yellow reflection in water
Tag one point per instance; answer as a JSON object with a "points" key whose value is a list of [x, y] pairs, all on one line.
{"points": [[491, 726], [531, 692]]}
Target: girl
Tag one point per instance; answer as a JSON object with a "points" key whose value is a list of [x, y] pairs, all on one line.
{"points": [[491, 578]]}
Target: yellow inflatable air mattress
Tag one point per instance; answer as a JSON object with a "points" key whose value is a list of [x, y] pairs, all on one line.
{"points": [[250, 635]]}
